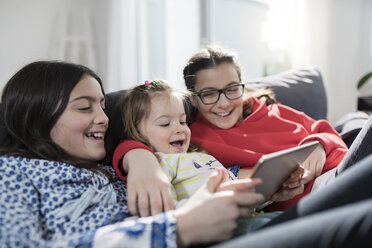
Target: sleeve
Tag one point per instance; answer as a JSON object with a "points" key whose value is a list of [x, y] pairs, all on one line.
{"points": [[22, 225], [322, 131], [121, 150], [155, 231]]}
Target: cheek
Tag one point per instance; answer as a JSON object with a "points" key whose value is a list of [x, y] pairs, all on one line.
{"points": [[76, 126], [188, 133], [203, 109], [239, 105], [69, 129]]}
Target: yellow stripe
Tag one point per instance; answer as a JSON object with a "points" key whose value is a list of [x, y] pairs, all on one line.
{"points": [[181, 181], [185, 156], [163, 164], [186, 168], [182, 195]]}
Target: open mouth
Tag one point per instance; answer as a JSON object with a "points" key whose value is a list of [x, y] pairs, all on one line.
{"points": [[177, 143], [96, 136]]}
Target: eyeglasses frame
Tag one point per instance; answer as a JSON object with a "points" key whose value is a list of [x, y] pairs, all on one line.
{"points": [[220, 91]]}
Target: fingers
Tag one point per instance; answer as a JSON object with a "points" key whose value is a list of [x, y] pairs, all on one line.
{"points": [[214, 180], [167, 199], [241, 185], [156, 203], [287, 193], [245, 212], [248, 199], [132, 202], [295, 178], [143, 204], [307, 177]]}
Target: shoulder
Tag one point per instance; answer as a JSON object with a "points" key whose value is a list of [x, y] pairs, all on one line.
{"points": [[285, 110]]}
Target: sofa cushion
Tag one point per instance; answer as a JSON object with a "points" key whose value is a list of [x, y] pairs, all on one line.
{"points": [[301, 89]]}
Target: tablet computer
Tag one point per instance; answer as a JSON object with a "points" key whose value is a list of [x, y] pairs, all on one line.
{"points": [[275, 168]]}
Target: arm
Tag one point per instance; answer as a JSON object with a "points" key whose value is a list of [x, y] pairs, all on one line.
{"points": [[147, 183], [332, 149], [209, 216], [20, 226], [327, 156]]}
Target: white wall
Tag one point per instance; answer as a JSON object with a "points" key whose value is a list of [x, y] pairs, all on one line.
{"points": [[25, 33], [344, 54], [238, 25], [29, 32]]}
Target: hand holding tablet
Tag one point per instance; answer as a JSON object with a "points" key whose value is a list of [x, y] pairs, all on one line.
{"points": [[275, 168]]}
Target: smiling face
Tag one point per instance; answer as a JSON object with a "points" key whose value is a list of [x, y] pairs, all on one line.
{"points": [[81, 128], [165, 127], [225, 113]]}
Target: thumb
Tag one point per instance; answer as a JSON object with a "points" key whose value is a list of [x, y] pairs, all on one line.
{"points": [[214, 180]]}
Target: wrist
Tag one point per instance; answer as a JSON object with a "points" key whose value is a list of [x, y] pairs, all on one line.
{"points": [[183, 231]]}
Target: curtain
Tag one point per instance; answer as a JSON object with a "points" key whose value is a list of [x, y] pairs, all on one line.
{"points": [[122, 62]]}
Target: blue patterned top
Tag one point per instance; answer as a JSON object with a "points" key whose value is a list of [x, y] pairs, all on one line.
{"points": [[54, 204]]}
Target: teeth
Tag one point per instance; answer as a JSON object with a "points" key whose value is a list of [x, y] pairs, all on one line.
{"points": [[223, 114], [98, 135], [95, 135]]}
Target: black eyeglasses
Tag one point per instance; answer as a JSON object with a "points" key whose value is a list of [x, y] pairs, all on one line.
{"points": [[211, 96]]}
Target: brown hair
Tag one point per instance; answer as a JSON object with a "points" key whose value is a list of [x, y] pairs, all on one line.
{"points": [[212, 56], [137, 105]]}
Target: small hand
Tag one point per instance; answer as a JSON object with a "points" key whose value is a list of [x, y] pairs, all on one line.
{"points": [[149, 189], [291, 187], [313, 165], [210, 214]]}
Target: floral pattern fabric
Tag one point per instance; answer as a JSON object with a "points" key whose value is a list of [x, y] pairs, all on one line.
{"points": [[33, 194]]}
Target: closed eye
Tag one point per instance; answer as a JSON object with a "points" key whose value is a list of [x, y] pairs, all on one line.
{"points": [[84, 109], [164, 125]]}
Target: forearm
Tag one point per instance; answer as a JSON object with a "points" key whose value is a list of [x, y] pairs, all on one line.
{"points": [[155, 231], [121, 151]]}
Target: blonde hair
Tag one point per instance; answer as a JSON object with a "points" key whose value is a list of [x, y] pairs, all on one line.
{"points": [[138, 106]]}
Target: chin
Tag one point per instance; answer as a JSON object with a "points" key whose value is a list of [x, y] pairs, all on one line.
{"points": [[98, 156], [227, 126], [224, 124]]}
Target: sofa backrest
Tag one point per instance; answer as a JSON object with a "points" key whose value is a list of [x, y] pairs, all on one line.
{"points": [[301, 89]]}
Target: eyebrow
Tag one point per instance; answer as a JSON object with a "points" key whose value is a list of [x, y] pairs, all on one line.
{"points": [[89, 98], [212, 88], [167, 116]]}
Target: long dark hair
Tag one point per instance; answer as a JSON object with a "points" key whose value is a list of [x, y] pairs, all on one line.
{"points": [[32, 101]]}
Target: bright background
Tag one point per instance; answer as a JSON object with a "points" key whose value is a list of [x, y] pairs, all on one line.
{"points": [[129, 41]]}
